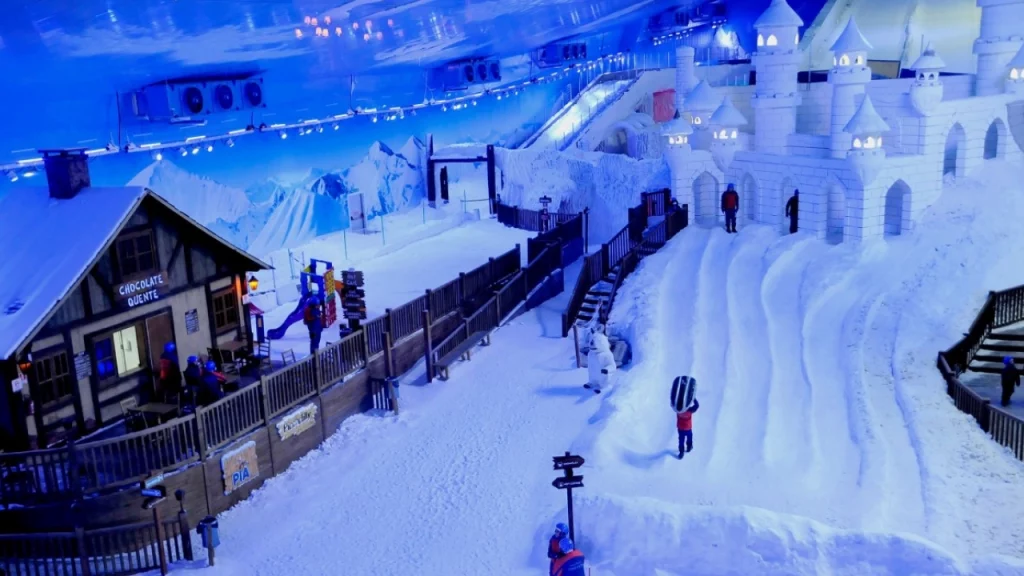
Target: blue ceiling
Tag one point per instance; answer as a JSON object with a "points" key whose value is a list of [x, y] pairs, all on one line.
{"points": [[64, 62]]}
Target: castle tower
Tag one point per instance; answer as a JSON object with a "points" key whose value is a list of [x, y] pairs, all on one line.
{"points": [[849, 76], [700, 104], [866, 128], [1015, 74], [677, 151], [926, 91], [777, 64], [998, 41], [685, 78], [724, 125]]}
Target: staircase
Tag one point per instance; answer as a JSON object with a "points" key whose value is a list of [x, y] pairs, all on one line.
{"points": [[597, 300], [998, 344]]}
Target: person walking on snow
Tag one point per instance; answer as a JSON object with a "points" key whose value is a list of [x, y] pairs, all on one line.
{"points": [[730, 205], [684, 426], [554, 551], [571, 561], [793, 211], [1010, 378], [313, 319], [600, 363]]}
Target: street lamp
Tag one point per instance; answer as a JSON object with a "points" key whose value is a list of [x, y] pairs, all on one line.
{"points": [[254, 283]]}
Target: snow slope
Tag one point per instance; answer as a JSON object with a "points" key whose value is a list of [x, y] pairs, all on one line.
{"points": [[576, 115], [201, 198]]}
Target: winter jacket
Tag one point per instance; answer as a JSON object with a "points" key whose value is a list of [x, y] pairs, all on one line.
{"points": [[730, 200], [553, 550], [1010, 377], [193, 375], [572, 564], [793, 207], [170, 374], [684, 420], [600, 362], [209, 389], [313, 319]]}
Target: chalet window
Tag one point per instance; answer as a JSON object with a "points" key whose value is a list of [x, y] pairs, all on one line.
{"points": [[136, 253], [225, 310], [119, 353], [53, 378]]}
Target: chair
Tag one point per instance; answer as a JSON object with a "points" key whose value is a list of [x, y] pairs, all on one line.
{"points": [[133, 419], [288, 357], [262, 356], [218, 358]]}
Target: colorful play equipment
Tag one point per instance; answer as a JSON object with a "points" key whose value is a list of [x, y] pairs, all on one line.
{"points": [[312, 284]]}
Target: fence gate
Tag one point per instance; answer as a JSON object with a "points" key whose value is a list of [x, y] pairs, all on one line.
{"points": [[432, 162]]}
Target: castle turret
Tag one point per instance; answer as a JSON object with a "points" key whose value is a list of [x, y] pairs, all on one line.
{"points": [[999, 40], [849, 76], [926, 91], [685, 78], [724, 125], [866, 128], [700, 104], [777, 65], [677, 133], [1015, 73]]}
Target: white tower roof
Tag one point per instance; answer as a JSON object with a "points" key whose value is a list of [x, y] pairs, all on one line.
{"points": [[851, 40], [779, 15], [928, 61], [866, 120], [1018, 60], [677, 126], [702, 98], [727, 115]]}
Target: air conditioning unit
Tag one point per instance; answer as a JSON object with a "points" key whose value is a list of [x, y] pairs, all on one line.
{"points": [[561, 53], [191, 99], [462, 74]]}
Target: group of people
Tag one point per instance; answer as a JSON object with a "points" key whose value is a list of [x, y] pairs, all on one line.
{"points": [[565, 559], [731, 206], [198, 385]]}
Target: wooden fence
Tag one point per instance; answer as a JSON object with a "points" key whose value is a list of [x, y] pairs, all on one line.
{"points": [[1000, 309], [623, 244], [531, 220]]}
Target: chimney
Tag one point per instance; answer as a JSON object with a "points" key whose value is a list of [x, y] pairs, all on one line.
{"points": [[67, 172]]}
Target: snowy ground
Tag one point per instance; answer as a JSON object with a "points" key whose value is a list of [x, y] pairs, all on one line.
{"points": [[577, 115], [825, 443]]}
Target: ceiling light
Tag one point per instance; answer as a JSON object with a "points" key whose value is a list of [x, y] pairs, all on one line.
{"points": [[195, 150], [209, 147], [336, 126], [158, 155], [284, 135], [12, 175], [375, 119], [366, 36], [230, 143], [29, 172], [320, 129], [184, 152]]}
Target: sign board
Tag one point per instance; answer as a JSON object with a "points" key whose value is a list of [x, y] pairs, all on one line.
{"points": [[83, 366], [239, 467], [153, 481], [297, 422], [568, 462], [142, 291], [192, 321], [571, 482], [152, 493], [352, 278], [19, 383]]}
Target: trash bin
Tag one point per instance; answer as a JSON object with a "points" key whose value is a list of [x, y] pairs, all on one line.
{"points": [[209, 531], [394, 388]]}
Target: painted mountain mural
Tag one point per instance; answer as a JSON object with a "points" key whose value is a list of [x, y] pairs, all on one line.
{"points": [[274, 213]]}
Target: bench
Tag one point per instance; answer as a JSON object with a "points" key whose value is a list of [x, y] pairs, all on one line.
{"points": [[461, 352]]}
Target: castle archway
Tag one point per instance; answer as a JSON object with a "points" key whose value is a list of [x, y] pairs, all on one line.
{"points": [[835, 218], [897, 209], [785, 193], [995, 140], [705, 198], [955, 156], [750, 200]]}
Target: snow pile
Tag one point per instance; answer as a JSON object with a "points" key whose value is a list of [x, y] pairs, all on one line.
{"points": [[818, 389], [608, 184]]}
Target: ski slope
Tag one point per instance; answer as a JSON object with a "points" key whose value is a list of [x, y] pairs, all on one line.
{"points": [[579, 112]]}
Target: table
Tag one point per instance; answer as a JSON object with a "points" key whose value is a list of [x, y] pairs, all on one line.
{"points": [[234, 351], [159, 411]]}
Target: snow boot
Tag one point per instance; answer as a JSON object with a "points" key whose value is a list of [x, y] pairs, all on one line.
{"points": [[680, 455], [587, 385]]}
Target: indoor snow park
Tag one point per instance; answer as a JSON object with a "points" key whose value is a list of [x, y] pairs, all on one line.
{"points": [[518, 288]]}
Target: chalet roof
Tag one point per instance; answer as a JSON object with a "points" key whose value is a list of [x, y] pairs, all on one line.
{"points": [[928, 60], [677, 126], [1018, 60], [779, 15], [728, 115], [866, 120], [702, 98], [851, 40], [49, 246]]}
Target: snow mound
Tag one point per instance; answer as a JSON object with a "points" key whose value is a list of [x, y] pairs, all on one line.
{"points": [[203, 199]]}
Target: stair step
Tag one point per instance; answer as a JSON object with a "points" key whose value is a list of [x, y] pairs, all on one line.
{"points": [[1006, 336], [986, 368], [599, 293], [587, 309], [997, 359], [1003, 347], [583, 317]]}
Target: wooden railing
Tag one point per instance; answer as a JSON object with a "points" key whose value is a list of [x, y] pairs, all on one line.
{"points": [[124, 460], [230, 417], [591, 273], [35, 477], [290, 385], [1000, 309]]}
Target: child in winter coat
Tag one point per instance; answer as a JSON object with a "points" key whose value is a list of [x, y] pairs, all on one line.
{"points": [[570, 562], [684, 425], [600, 363], [554, 551]]}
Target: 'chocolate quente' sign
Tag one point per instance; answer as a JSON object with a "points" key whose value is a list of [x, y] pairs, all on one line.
{"points": [[143, 290]]}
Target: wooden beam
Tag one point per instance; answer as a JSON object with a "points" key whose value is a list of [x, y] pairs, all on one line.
{"points": [[178, 248], [107, 290]]}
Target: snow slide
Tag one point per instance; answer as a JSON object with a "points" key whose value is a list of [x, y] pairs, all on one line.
{"points": [[823, 423]]}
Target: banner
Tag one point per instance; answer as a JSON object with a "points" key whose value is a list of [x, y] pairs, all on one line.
{"points": [[664, 105], [297, 422], [239, 466]]}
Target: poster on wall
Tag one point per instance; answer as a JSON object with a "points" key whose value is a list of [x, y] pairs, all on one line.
{"points": [[239, 466], [83, 366], [192, 321], [297, 422]]}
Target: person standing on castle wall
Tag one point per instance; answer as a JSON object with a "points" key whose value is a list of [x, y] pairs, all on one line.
{"points": [[793, 211], [730, 205], [1010, 378]]}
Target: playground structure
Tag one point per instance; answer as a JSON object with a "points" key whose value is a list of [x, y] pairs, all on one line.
{"points": [[312, 284]]}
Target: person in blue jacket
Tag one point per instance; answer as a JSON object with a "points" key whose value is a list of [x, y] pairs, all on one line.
{"points": [[571, 562], [209, 387], [312, 317], [554, 551]]}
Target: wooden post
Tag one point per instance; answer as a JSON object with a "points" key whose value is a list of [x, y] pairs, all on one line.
{"points": [[266, 416], [427, 345], [490, 271], [576, 342], [387, 321], [161, 551], [586, 230], [462, 287], [200, 434], [519, 258], [186, 540], [605, 269], [389, 372], [319, 393], [426, 305], [83, 554], [73, 477]]}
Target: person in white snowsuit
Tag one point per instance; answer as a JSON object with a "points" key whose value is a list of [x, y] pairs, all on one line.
{"points": [[600, 363]]}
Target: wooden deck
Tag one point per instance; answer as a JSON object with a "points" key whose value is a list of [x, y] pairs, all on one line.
{"points": [[988, 386]]}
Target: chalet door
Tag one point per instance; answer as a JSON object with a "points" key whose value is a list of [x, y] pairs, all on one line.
{"points": [[159, 331]]}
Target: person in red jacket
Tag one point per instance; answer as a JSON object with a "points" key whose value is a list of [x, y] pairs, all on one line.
{"points": [[684, 425], [730, 205], [571, 562], [561, 531]]}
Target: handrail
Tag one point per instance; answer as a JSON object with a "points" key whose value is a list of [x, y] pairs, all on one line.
{"points": [[577, 131], [601, 79]]}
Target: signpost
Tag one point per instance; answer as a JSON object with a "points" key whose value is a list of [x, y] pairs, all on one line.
{"points": [[567, 464], [353, 297], [154, 492]]}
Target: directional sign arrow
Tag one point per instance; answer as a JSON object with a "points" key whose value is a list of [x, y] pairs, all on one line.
{"points": [[572, 461], [563, 483]]}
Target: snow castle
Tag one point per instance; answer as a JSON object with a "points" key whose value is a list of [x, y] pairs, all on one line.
{"points": [[867, 155]]}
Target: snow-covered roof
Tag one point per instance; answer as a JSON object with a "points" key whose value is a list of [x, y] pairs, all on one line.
{"points": [[1018, 60], [702, 98], [49, 245], [928, 60], [728, 115], [779, 15], [851, 40], [677, 126], [866, 120]]}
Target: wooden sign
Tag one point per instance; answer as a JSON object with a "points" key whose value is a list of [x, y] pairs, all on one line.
{"points": [[570, 482], [143, 290], [239, 466], [568, 462], [192, 321], [83, 366], [297, 422]]}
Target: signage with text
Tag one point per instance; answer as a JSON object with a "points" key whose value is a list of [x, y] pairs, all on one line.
{"points": [[143, 290], [297, 422], [239, 466]]}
